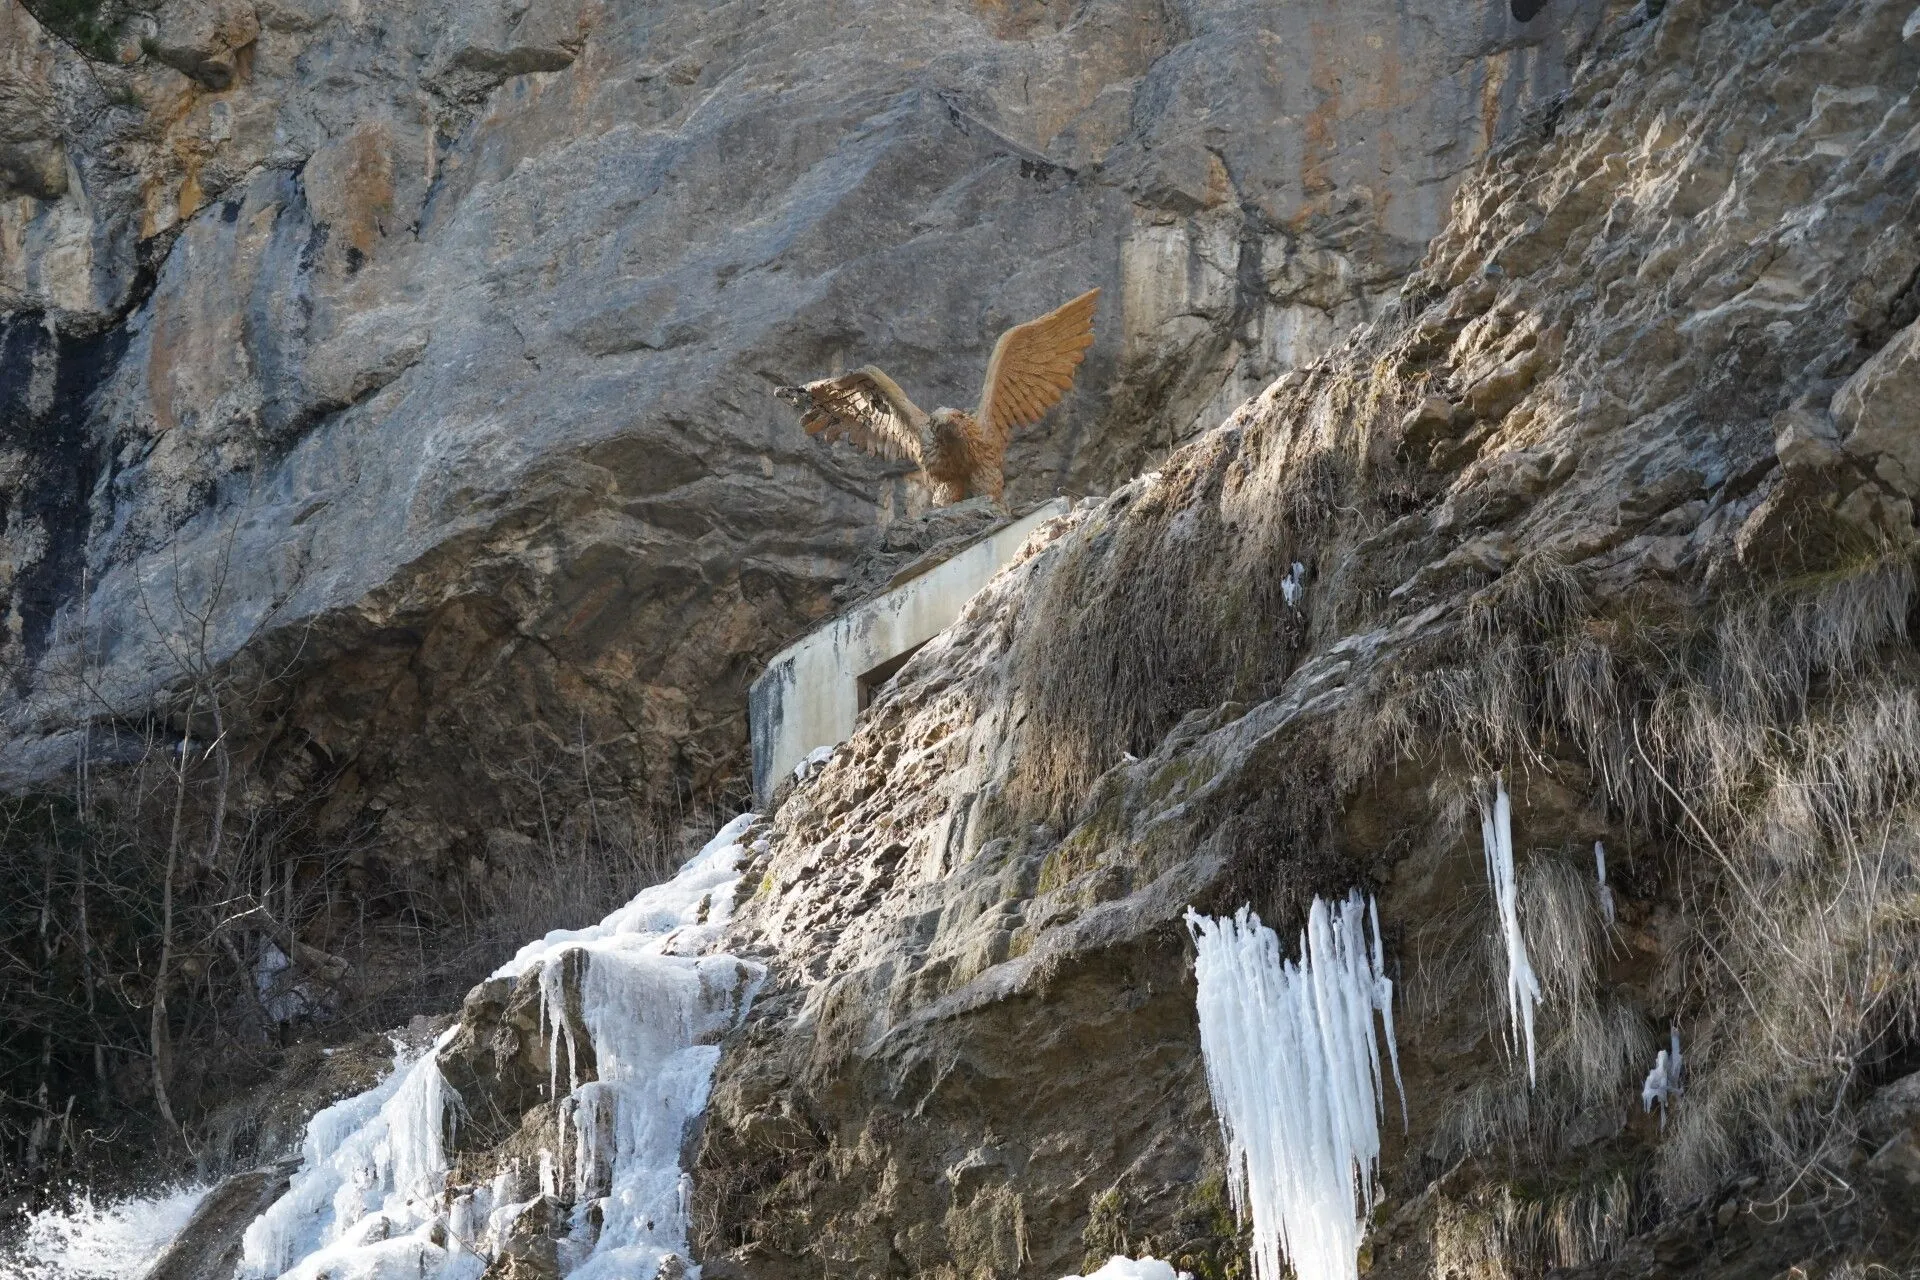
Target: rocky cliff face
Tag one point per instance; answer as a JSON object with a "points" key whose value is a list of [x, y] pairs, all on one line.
{"points": [[1613, 502], [423, 354]]}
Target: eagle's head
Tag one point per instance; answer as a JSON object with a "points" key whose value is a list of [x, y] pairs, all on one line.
{"points": [[799, 397], [950, 424]]}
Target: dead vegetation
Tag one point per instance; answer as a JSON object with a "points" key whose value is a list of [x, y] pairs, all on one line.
{"points": [[1173, 597], [1497, 1232]]}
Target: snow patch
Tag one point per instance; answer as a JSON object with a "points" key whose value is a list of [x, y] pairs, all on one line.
{"points": [[1123, 1268], [815, 759], [1523, 987], [1294, 1069], [1294, 585], [370, 1200]]}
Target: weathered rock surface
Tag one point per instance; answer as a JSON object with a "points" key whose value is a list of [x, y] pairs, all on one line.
{"points": [[208, 1247], [1615, 500], [432, 344]]}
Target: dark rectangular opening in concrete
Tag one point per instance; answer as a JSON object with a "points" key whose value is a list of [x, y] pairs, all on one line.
{"points": [[868, 682]]}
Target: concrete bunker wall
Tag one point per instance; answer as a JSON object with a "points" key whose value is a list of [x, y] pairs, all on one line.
{"points": [[814, 690]]}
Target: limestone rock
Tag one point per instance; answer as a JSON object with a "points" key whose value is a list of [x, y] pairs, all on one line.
{"points": [[205, 39], [1805, 441], [450, 330], [36, 168], [1877, 409], [489, 43]]}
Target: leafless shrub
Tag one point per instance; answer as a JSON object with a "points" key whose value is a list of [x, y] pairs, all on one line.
{"points": [[175, 919]]}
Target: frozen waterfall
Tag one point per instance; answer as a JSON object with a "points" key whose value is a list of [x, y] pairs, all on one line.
{"points": [[370, 1200], [1294, 1070]]}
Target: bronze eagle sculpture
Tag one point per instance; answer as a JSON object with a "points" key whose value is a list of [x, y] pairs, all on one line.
{"points": [[960, 454]]}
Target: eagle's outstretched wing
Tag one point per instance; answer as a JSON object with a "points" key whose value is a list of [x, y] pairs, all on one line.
{"points": [[1032, 367], [866, 408]]}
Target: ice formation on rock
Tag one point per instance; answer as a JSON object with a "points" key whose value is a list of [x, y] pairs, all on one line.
{"points": [[1294, 1070], [1523, 987], [370, 1200], [1294, 585], [371, 1169], [275, 981], [1119, 1267], [816, 760], [1663, 1082]]}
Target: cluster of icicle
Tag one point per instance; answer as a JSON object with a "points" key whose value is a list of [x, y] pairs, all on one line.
{"points": [[370, 1200], [1523, 987], [1295, 1073]]}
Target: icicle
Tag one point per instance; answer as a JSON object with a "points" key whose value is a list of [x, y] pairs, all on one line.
{"points": [[465, 1220], [1383, 1001], [595, 1111], [1523, 988], [563, 1111], [506, 1184], [1294, 1070], [416, 1127], [1600, 869], [553, 1015], [549, 1182], [1663, 1082]]}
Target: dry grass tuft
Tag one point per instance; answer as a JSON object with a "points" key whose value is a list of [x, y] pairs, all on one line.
{"points": [[1501, 1232], [1170, 598]]}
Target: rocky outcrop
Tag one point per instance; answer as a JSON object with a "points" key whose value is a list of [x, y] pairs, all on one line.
{"points": [[1614, 501], [446, 333], [209, 1246]]}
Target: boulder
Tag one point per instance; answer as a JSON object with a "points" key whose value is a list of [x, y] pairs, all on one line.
{"points": [[204, 39]]}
